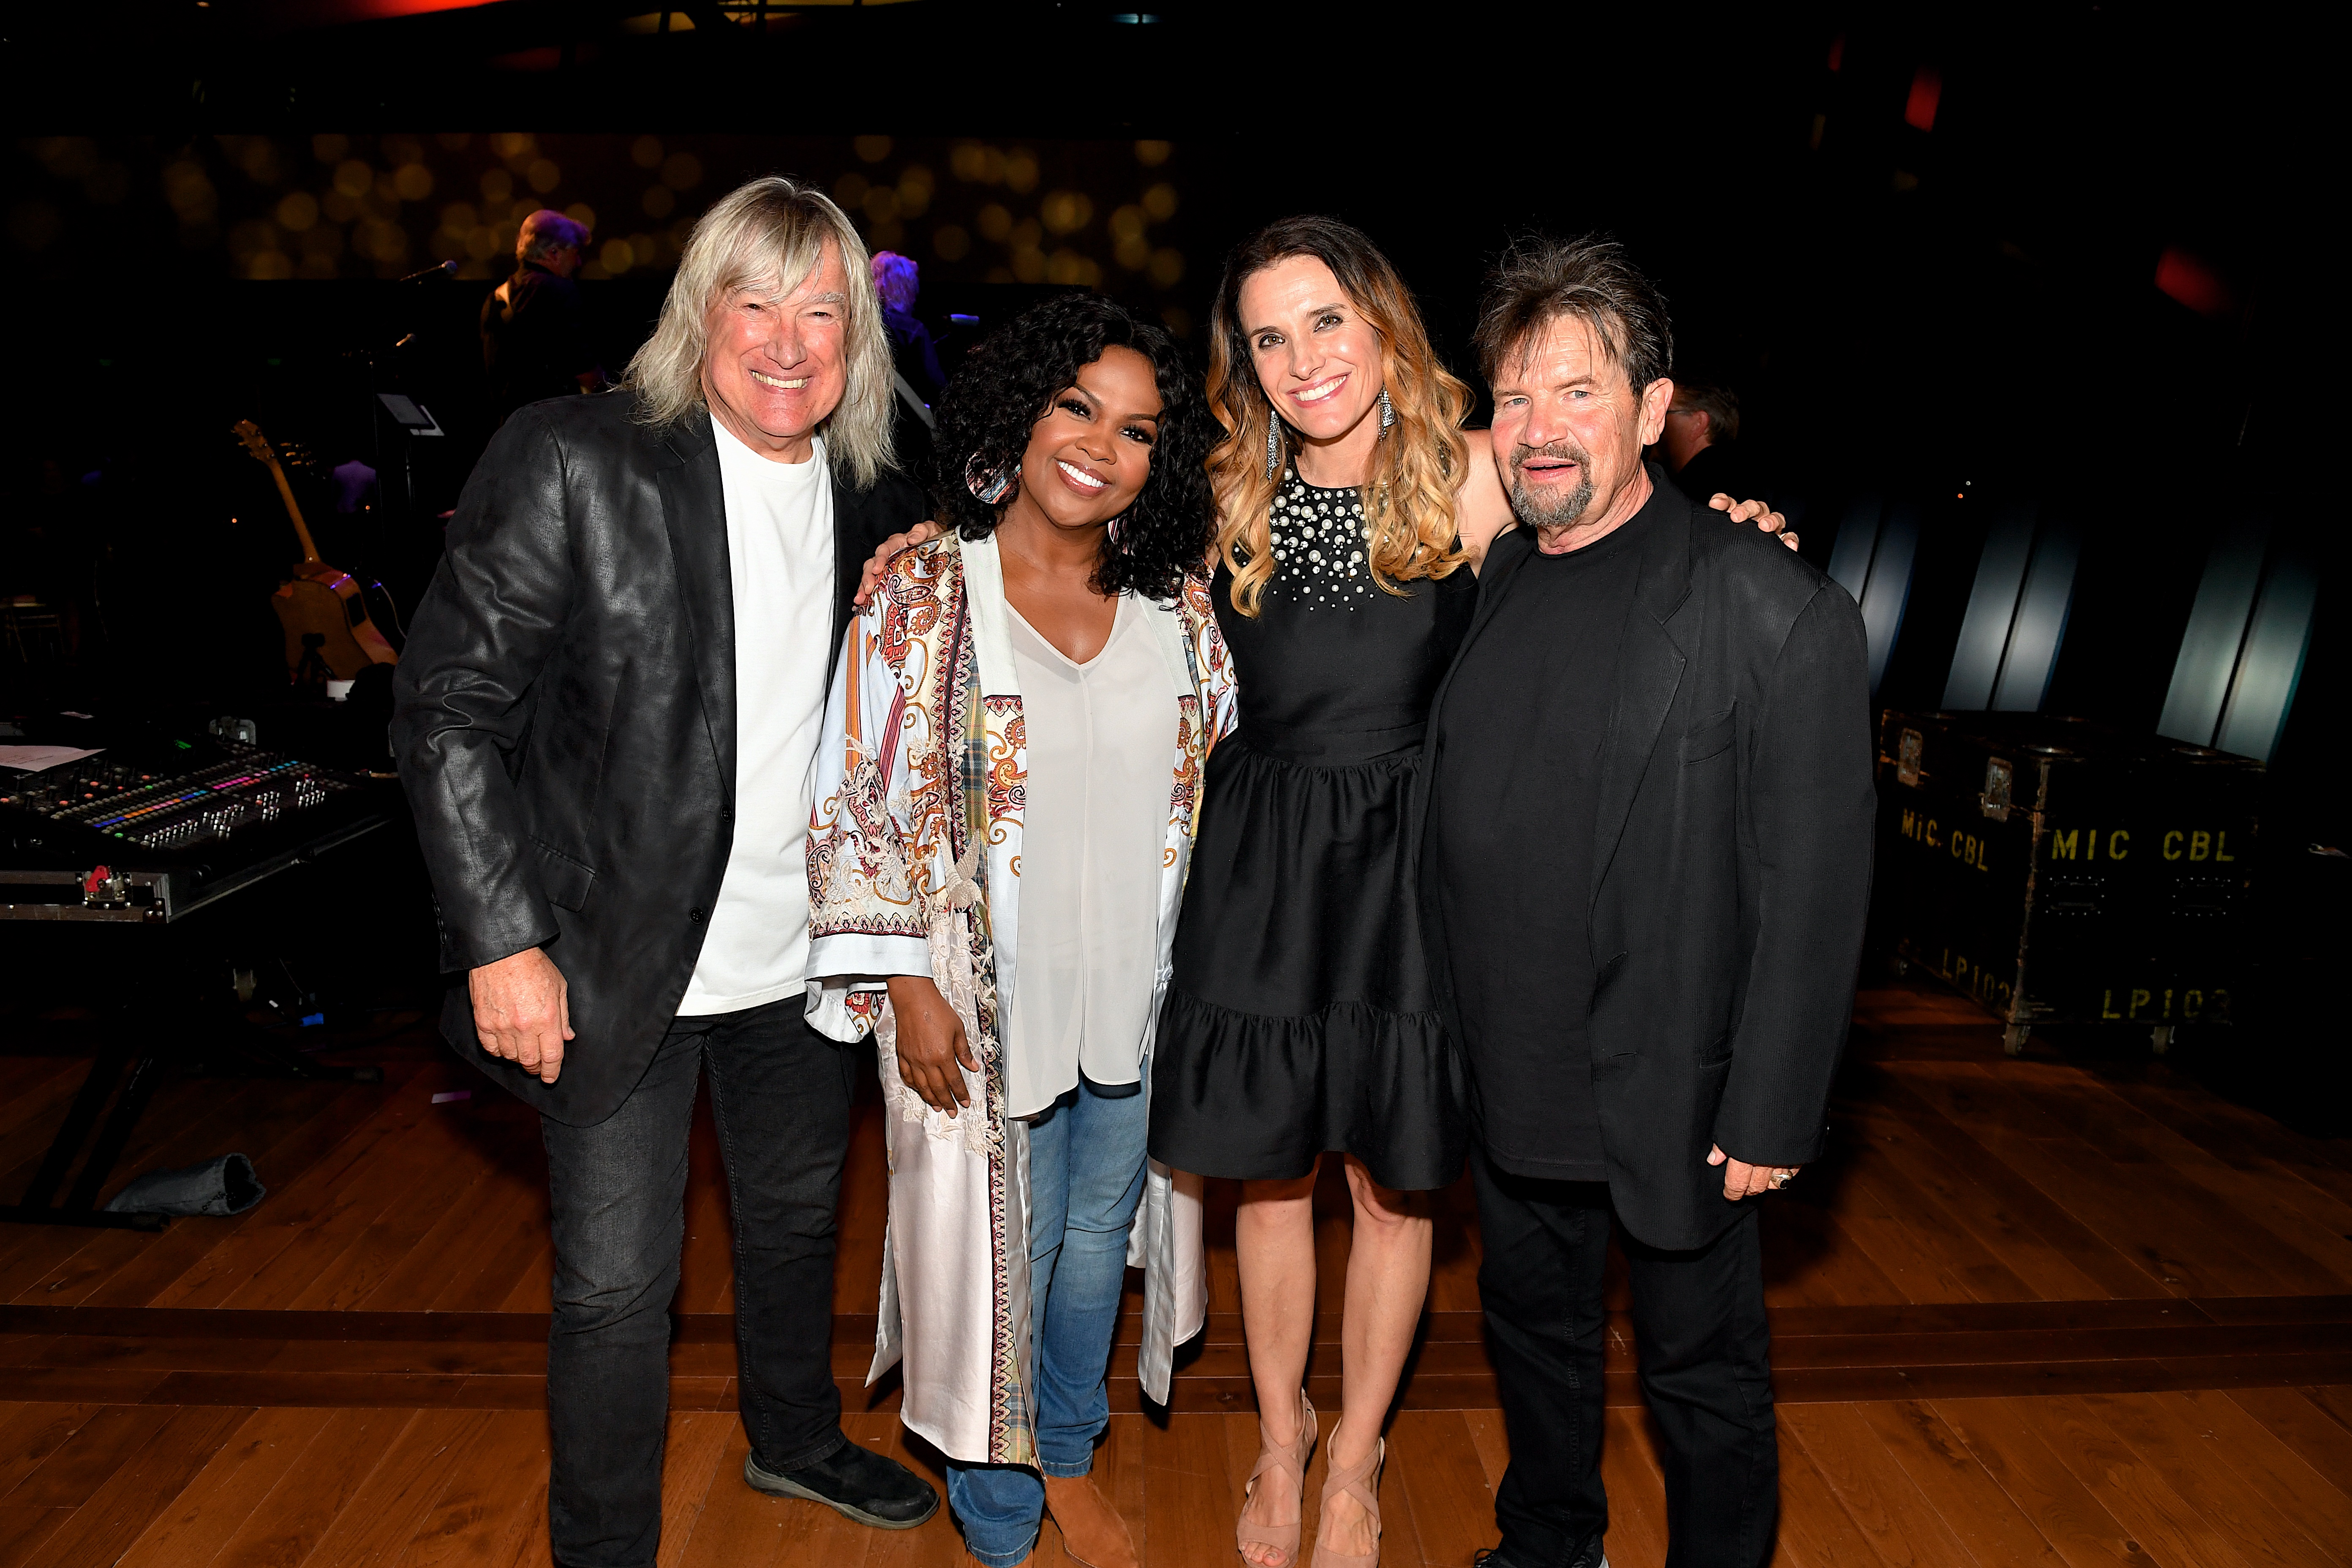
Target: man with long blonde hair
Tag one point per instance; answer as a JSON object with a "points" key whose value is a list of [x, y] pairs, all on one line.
{"points": [[607, 724]]}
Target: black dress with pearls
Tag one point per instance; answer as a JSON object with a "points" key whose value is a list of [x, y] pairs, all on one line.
{"points": [[1300, 1017]]}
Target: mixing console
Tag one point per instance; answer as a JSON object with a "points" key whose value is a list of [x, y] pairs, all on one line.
{"points": [[150, 832], [156, 811]]}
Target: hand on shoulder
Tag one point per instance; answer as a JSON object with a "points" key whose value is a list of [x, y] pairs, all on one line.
{"points": [[1765, 519], [871, 577]]}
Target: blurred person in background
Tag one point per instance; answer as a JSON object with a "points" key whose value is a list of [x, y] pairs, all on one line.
{"points": [[1698, 444], [534, 331], [917, 377]]}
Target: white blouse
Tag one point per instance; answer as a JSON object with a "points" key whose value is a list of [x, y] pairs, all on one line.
{"points": [[1100, 736]]}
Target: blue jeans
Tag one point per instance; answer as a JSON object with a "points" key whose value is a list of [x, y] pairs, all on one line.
{"points": [[1086, 1176]]}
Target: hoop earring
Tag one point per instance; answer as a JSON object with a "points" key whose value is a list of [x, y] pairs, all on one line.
{"points": [[1118, 530], [1388, 409], [989, 488], [1273, 443]]}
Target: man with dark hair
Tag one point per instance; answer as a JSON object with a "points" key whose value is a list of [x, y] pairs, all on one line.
{"points": [[1648, 844], [534, 332], [1697, 441]]}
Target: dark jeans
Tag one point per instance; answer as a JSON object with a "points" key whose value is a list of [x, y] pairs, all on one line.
{"points": [[780, 1094], [1703, 1347]]}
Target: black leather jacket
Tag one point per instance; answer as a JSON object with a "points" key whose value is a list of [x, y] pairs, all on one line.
{"points": [[565, 722]]}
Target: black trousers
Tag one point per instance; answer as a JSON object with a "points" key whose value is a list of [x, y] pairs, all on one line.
{"points": [[1703, 1345], [781, 1095]]}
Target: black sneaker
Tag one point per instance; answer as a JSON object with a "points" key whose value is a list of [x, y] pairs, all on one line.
{"points": [[1492, 1557], [870, 1487]]}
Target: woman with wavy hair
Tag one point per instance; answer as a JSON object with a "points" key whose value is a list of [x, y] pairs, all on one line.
{"points": [[1300, 1018], [1016, 737]]}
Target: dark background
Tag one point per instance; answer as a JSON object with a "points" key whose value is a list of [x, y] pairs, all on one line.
{"points": [[1958, 254]]}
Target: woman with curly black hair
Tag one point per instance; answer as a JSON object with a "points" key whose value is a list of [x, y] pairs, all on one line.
{"points": [[1014, 747]]}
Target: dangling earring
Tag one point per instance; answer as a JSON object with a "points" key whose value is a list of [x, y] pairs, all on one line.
{"points": [[1273, 443], [988, 489], [1116, 529], [1388, 409]]}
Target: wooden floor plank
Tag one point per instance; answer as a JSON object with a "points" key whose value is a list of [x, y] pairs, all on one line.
{"points": [[1813, 1522], [489, 1497], [2044, 1269], [389, 1507], [2216, 1432], [2003, 1436], [1982, 1517], [2020, 1199], [217, 1502], [1893, 1514], [34, 1432], [1447, 1510], [1192, 1485], [2302, 1426], [119, 1511], [2239, 1167], [1636, 1489], [76, 1468], [2220, 1501], [336, 1136], [2182, 1254], [25, 1533], [395, 1233], [2131, 1489], [2334, 1401], [696, 1440], [316, 1490], [392, 1169]]}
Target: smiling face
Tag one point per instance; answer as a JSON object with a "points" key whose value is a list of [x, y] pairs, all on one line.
{"points": [[1569, 433], [776, 368], [1318, 359], [1090, 454]]}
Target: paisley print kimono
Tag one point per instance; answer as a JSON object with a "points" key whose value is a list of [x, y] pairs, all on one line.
{"points": [[914, 867]]}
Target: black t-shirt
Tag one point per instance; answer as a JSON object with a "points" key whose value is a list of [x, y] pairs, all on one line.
{"points": [[1519, 743]]}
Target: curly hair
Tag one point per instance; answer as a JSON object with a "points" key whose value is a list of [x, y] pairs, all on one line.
{"points": [[1008, 383]]}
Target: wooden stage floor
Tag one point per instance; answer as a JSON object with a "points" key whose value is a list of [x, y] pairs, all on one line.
{"points": [[2030, 1311]]}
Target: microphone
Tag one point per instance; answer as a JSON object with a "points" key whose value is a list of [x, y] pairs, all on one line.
{"points": [[438, 269]]}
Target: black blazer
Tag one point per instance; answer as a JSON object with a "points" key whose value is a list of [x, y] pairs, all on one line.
{"points": [[1731, 862], [565, 722]]}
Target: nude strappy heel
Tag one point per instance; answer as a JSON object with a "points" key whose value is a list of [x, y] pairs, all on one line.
{"points": [[1282, 1538], [1363, 1480]]}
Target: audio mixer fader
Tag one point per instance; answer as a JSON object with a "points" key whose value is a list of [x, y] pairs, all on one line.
{"points": [[150, 832]]}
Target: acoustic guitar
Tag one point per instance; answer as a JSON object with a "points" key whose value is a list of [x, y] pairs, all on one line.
{"points": [[317, 600]]}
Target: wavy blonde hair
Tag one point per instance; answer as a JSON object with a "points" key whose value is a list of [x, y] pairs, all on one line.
{"points": [[1409, 501], [769, 235]]}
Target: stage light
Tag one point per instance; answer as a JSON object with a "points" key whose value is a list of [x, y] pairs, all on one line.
{"points": [[1926, 92], [2191, 280]]}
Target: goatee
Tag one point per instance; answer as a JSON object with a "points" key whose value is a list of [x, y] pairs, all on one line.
{"points": [[1551, 511]]}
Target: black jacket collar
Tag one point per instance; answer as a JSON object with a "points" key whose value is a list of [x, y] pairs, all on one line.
{"points": [[694, 507]]}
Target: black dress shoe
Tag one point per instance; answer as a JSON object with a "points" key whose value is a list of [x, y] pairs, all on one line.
{"points": [[870, 1487]]}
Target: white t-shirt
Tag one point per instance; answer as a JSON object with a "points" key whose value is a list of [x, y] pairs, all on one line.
{"points": [[1094, 831], [780, 554]]}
